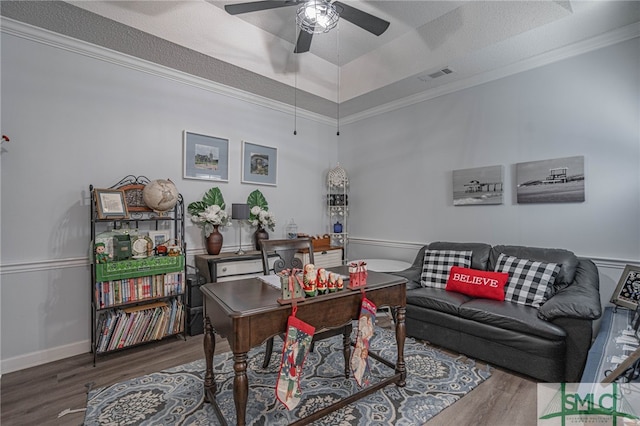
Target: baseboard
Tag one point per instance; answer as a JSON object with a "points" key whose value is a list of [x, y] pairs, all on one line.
{"points": [[33, 359]]}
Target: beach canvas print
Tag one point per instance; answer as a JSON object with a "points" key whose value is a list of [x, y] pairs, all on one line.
{"points": [[481, 185], [560, 180]]}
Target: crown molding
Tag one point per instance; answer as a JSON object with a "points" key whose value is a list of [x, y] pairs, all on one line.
{"points": [[46, 37], [70, 44], [604, 40]]}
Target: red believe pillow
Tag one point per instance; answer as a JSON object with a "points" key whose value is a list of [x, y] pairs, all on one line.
{"points": [[476, 283]]}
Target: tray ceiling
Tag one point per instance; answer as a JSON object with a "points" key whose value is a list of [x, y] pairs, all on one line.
{"points": [[253, 52]]}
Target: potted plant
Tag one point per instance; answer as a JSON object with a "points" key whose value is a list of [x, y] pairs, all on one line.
{"points": [[260, 217], [210, 214]]}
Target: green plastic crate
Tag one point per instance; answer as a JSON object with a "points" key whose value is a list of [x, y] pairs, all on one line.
{"points": [[134, 268]]}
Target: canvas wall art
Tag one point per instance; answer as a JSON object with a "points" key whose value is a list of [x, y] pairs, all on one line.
{"points": [[481, 185], [560, 180]]}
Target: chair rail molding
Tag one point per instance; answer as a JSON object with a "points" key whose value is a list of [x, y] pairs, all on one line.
{"points": [[601, 262]]}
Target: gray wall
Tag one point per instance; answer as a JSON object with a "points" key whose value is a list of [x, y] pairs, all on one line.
{"points": [[589, 105], [401, 163], [75, 120]]}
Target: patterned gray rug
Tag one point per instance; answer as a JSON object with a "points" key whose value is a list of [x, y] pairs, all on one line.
{"points": [[435, 380]]}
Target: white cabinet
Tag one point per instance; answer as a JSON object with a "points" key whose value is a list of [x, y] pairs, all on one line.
{"points": [[327, 258], [231, 266]]}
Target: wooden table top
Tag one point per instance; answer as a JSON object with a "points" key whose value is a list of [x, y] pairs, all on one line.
{"points": [[250, 296]]}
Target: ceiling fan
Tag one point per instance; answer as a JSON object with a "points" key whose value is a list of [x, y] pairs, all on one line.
{"points": [[315, 16]]}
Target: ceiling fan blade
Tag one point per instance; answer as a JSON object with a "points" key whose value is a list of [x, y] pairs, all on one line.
{"points": [[238, 8], [364, 20], [304, 42]]}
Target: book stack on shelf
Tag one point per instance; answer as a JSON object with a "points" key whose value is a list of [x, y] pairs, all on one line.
{"points": [[120, 328], [117, 292]]}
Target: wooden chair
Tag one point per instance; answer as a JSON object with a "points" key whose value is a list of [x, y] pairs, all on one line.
{"points": [[286, 251]]}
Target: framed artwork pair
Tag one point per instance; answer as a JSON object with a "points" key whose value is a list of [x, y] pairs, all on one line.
{"points": [[207, 158], [558, 180]]}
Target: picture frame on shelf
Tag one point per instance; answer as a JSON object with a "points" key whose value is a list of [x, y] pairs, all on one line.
{"points": [[110, 204], [205, 157], [627, 292], [159, 237], [133, 198], [259, 164]]}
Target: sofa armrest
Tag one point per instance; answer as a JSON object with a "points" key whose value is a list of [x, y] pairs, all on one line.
{"points": [[580, 300], [412, 275]]}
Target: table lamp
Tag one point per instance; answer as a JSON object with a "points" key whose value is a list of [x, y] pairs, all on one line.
{"points": [[240, 212]]}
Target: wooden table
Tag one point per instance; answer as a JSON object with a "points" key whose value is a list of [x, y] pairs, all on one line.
{"points": [[247, 313]]}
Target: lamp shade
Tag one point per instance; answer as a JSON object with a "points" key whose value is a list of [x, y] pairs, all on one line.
{"points": [[240, 211]]}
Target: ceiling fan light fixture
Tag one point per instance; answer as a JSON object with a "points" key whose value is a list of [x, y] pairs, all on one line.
{"points": [[317, 16]]}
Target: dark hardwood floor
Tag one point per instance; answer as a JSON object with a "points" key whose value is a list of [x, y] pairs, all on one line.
{"points": [[37, 395]]}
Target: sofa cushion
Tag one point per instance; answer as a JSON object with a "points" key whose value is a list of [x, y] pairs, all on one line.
{"points": [[529, 281], [476, 283], [511, 316], [480, 252], [437, 299], [437, 263], [567, 260]]}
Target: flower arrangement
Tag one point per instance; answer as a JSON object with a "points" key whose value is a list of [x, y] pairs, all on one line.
{"points": [[259, 215], [210, 211]]}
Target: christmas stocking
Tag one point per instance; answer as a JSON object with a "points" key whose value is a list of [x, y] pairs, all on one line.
{"points": [[359, 358], [296, 347]]}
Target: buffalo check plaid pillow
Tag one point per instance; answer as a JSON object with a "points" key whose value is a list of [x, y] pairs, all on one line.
{"points": [[438, 263], [528, 281]]}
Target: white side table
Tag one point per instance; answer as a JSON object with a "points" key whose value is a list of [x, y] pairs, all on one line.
{"points": [[385, 265]]}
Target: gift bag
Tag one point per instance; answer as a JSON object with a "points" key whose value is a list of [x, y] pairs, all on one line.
{"points": [[291, 285], [360, 355], [296, 347], [357, 274]]}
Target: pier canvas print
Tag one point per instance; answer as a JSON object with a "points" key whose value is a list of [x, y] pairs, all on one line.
{"points": [[481, 185], [560, 180]]}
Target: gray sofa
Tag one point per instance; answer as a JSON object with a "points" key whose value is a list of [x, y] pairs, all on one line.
{"points": [[549, 343]]}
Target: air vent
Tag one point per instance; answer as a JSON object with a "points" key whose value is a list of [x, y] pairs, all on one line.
{"points": [[439, 73]]}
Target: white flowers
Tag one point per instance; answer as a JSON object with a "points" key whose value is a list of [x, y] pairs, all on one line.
{"points": [[262, 218], [211, 216]]}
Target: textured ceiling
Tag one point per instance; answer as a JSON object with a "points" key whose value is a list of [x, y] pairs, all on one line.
{"points": [[254, 51]]}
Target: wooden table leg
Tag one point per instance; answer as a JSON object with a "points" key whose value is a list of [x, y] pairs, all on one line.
{"points": [[240, 386], [209, 349], [346, 349], [401, 333]]}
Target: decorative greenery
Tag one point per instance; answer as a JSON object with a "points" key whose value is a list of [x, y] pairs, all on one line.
{"points": [[210, 211], [259, 214]]}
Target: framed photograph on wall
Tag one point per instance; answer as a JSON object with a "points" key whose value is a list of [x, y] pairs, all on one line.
{"points": [[259, 164], [627, 293], [110, 204], [205, 157], [560, 180], [477, 186]]}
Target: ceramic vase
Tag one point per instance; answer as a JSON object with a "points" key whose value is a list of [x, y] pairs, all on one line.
{"points": [[214, 241], [260, 234]]}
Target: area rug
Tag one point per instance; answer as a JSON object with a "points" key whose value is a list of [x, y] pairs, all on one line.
{"points": [[435, 380]]}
